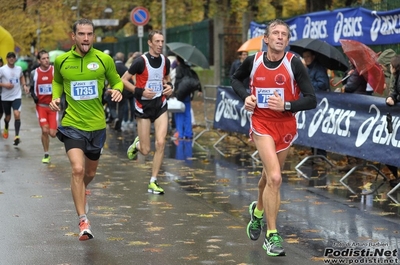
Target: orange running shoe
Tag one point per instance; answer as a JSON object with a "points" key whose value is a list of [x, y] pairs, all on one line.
{"points": [[85, 232], [5, 133]]}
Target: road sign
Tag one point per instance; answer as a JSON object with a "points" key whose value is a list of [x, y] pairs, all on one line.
{"points": [[140, 16], [140, 31]]}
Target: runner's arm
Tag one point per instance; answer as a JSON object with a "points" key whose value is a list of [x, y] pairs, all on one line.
{"points": [[57, 84], [308, 100], [240, 75]]}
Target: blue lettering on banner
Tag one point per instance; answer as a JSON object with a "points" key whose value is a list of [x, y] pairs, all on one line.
{"points": [[366, 26], [346, 124]]}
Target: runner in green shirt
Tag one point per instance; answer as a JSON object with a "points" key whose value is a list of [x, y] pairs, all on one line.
{"points": [[80, 74]]}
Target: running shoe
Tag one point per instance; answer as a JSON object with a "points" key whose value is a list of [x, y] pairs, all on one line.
{"points": [[155, 188], [273, 245], [132, 150], [85, 232], [16, 140], [255, 225], [5, 133], [46, 159]]}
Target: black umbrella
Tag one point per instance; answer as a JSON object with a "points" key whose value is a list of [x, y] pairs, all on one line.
{"points": [[326, 54], [190, 53]]}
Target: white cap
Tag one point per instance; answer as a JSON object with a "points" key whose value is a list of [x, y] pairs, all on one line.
{"points": [[107, 52]]}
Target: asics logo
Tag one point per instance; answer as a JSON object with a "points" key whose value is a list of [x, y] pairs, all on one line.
{"points": [[71, 67]]}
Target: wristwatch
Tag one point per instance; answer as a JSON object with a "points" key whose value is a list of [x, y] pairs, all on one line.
{"points": [[288, 105]]}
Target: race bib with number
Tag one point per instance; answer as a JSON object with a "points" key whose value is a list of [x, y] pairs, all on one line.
{"points": [[84, 90], [156, 86], [44, 89], [263, 94]]}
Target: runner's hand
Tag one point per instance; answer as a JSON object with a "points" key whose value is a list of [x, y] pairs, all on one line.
{"points": [[55, 104], [167, 91], [276, 103], [116, 95], [147, 93], [250, 103], [9, 86]]}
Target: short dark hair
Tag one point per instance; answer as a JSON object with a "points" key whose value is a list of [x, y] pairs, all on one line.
{"points": [[154, 32], [82, 21], [11, 54], [39, 55]]}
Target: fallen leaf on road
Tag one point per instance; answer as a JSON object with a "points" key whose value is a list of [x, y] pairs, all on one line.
{"points": [[138, 243]]}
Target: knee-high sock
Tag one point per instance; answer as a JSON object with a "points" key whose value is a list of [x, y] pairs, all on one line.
{"points": [[6, 124], [17, 125]]}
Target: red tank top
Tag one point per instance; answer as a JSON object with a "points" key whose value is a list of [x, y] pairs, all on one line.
{"points": [[43, 88], [264, 80]]}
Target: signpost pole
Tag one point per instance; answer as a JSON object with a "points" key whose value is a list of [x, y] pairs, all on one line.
{"points": [[140, 35]]}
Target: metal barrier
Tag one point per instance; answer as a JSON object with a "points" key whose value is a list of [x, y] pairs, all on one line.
{"points": [[209, 103], [208, 107]]}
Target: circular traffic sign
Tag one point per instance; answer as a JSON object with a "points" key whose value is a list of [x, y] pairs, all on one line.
{"points": [[140, 16]]}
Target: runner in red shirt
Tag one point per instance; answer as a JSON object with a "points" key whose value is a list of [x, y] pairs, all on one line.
{"points": [[276, 80], [41, 91]]}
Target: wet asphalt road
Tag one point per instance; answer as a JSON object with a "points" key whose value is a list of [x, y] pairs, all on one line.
{"points": [[200, 220]]}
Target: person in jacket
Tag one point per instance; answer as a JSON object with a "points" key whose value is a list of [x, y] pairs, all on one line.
{"points": [[319, 79], [318, 73], [356, 83], [393, 99]]}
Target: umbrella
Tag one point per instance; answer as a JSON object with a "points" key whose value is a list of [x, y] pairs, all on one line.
{"points": [[53, 54], [254, 44], [189, 53], [326, 54], [366, 62], [23, 64]]}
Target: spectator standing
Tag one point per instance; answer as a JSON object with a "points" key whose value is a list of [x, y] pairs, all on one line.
{"points": [[151, 90], [392, 99], [81, 74], [319, 80], [186, 83], [41, 92], [277, 79], [12, 80], [237, 63], [121, 106]]}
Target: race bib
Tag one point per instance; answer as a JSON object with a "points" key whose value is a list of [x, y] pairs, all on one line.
{"points": [[263, 94], [156, 86], [84, 90], [44, 89]]}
